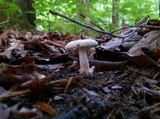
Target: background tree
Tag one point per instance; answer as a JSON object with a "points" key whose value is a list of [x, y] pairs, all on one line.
{"points": [[13, 10], [105, 13]]}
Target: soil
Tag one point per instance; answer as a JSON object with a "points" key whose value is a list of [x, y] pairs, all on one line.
{"points": [[106, 95]]}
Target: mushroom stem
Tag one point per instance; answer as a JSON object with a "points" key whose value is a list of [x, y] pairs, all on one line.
{"points": [[83, 45], [84, 64]]}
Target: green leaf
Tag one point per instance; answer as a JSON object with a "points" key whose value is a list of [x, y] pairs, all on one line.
{"points": [[127, 5]]}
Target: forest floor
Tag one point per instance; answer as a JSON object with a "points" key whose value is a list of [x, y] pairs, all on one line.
{"points": [[41, 80]]}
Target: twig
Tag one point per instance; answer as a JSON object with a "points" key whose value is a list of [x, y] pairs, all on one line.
{"points": [[89, 27], [4, 22], [93, 23], [49, 25], [139, 26]]}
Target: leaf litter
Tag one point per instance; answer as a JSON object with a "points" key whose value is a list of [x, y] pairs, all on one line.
{"points": [[40, 79]]}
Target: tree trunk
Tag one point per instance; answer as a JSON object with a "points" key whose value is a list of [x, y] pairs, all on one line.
{"points": [[27, 18], [115, 17], [26, 5]]}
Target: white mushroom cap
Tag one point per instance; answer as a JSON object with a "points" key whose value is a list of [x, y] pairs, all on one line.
{"points": [[86, 43], [82, 46]]}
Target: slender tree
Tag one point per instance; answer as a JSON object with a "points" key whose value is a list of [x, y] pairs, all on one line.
{"points": [[115, 16]]}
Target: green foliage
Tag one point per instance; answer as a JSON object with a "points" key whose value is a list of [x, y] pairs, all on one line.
{"points": [[9, 10], [135, 10], [99, 11]]}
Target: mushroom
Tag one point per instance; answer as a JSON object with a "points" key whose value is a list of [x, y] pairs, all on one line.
{"points": [[82, 45]]}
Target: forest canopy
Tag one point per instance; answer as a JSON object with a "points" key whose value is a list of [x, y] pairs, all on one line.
{"points": [[108, 14]]}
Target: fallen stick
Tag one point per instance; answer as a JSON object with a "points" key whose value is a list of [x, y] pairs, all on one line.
{"points": [[89, 27]]}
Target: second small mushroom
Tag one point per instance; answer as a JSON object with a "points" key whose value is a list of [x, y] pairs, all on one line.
{"points": [[82, 45]]}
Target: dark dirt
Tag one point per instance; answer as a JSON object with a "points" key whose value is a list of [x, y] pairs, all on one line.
{"points": [[87, 98]]}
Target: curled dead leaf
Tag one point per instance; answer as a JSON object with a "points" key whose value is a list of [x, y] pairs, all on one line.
{"points": [[44, 107]]}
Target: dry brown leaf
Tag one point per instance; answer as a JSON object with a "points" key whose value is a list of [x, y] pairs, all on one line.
{"points": [[11, 79], [10, 94], [149, 71], [146, 42], [4, 34], [20, 69], [150, 81], [6, 53], [130, 41], [151, 91], [149, 112], [105, 65], [157, 52], [25, 113], [22, 74], [90, 92], [142, 60], [44, 107], [51, 66], [112, 45], [10, 110], [26, 59], [70, 81], [33, 44], [59, 82], [14, 44], [37, 84], [51, 49], [143, 52]]}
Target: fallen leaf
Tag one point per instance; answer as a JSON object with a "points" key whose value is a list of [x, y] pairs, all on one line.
{"points": [[151, 91], [37, 84], [25, 113], [70, 81], [51, 66], [106, 89], [90, 92], [145, 42], [142, 60], [111, 45], [150, 112], [14, 44], [154, 22], [51, 49], [10, 110], [57, 98], [116, 87], [20, 69], [151, 72], [44, 107], [4, 34], [6, 54], [26, 59], [130, 41], [106, 65], [10, 94], [150, 81]]}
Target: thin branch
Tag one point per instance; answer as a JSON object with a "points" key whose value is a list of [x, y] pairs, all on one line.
{"points": [[138, 26], [89, 27], [4, 22], [92, 22]]}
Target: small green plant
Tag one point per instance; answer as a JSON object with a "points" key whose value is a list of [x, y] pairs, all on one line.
{"points": [[10, 11]]}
